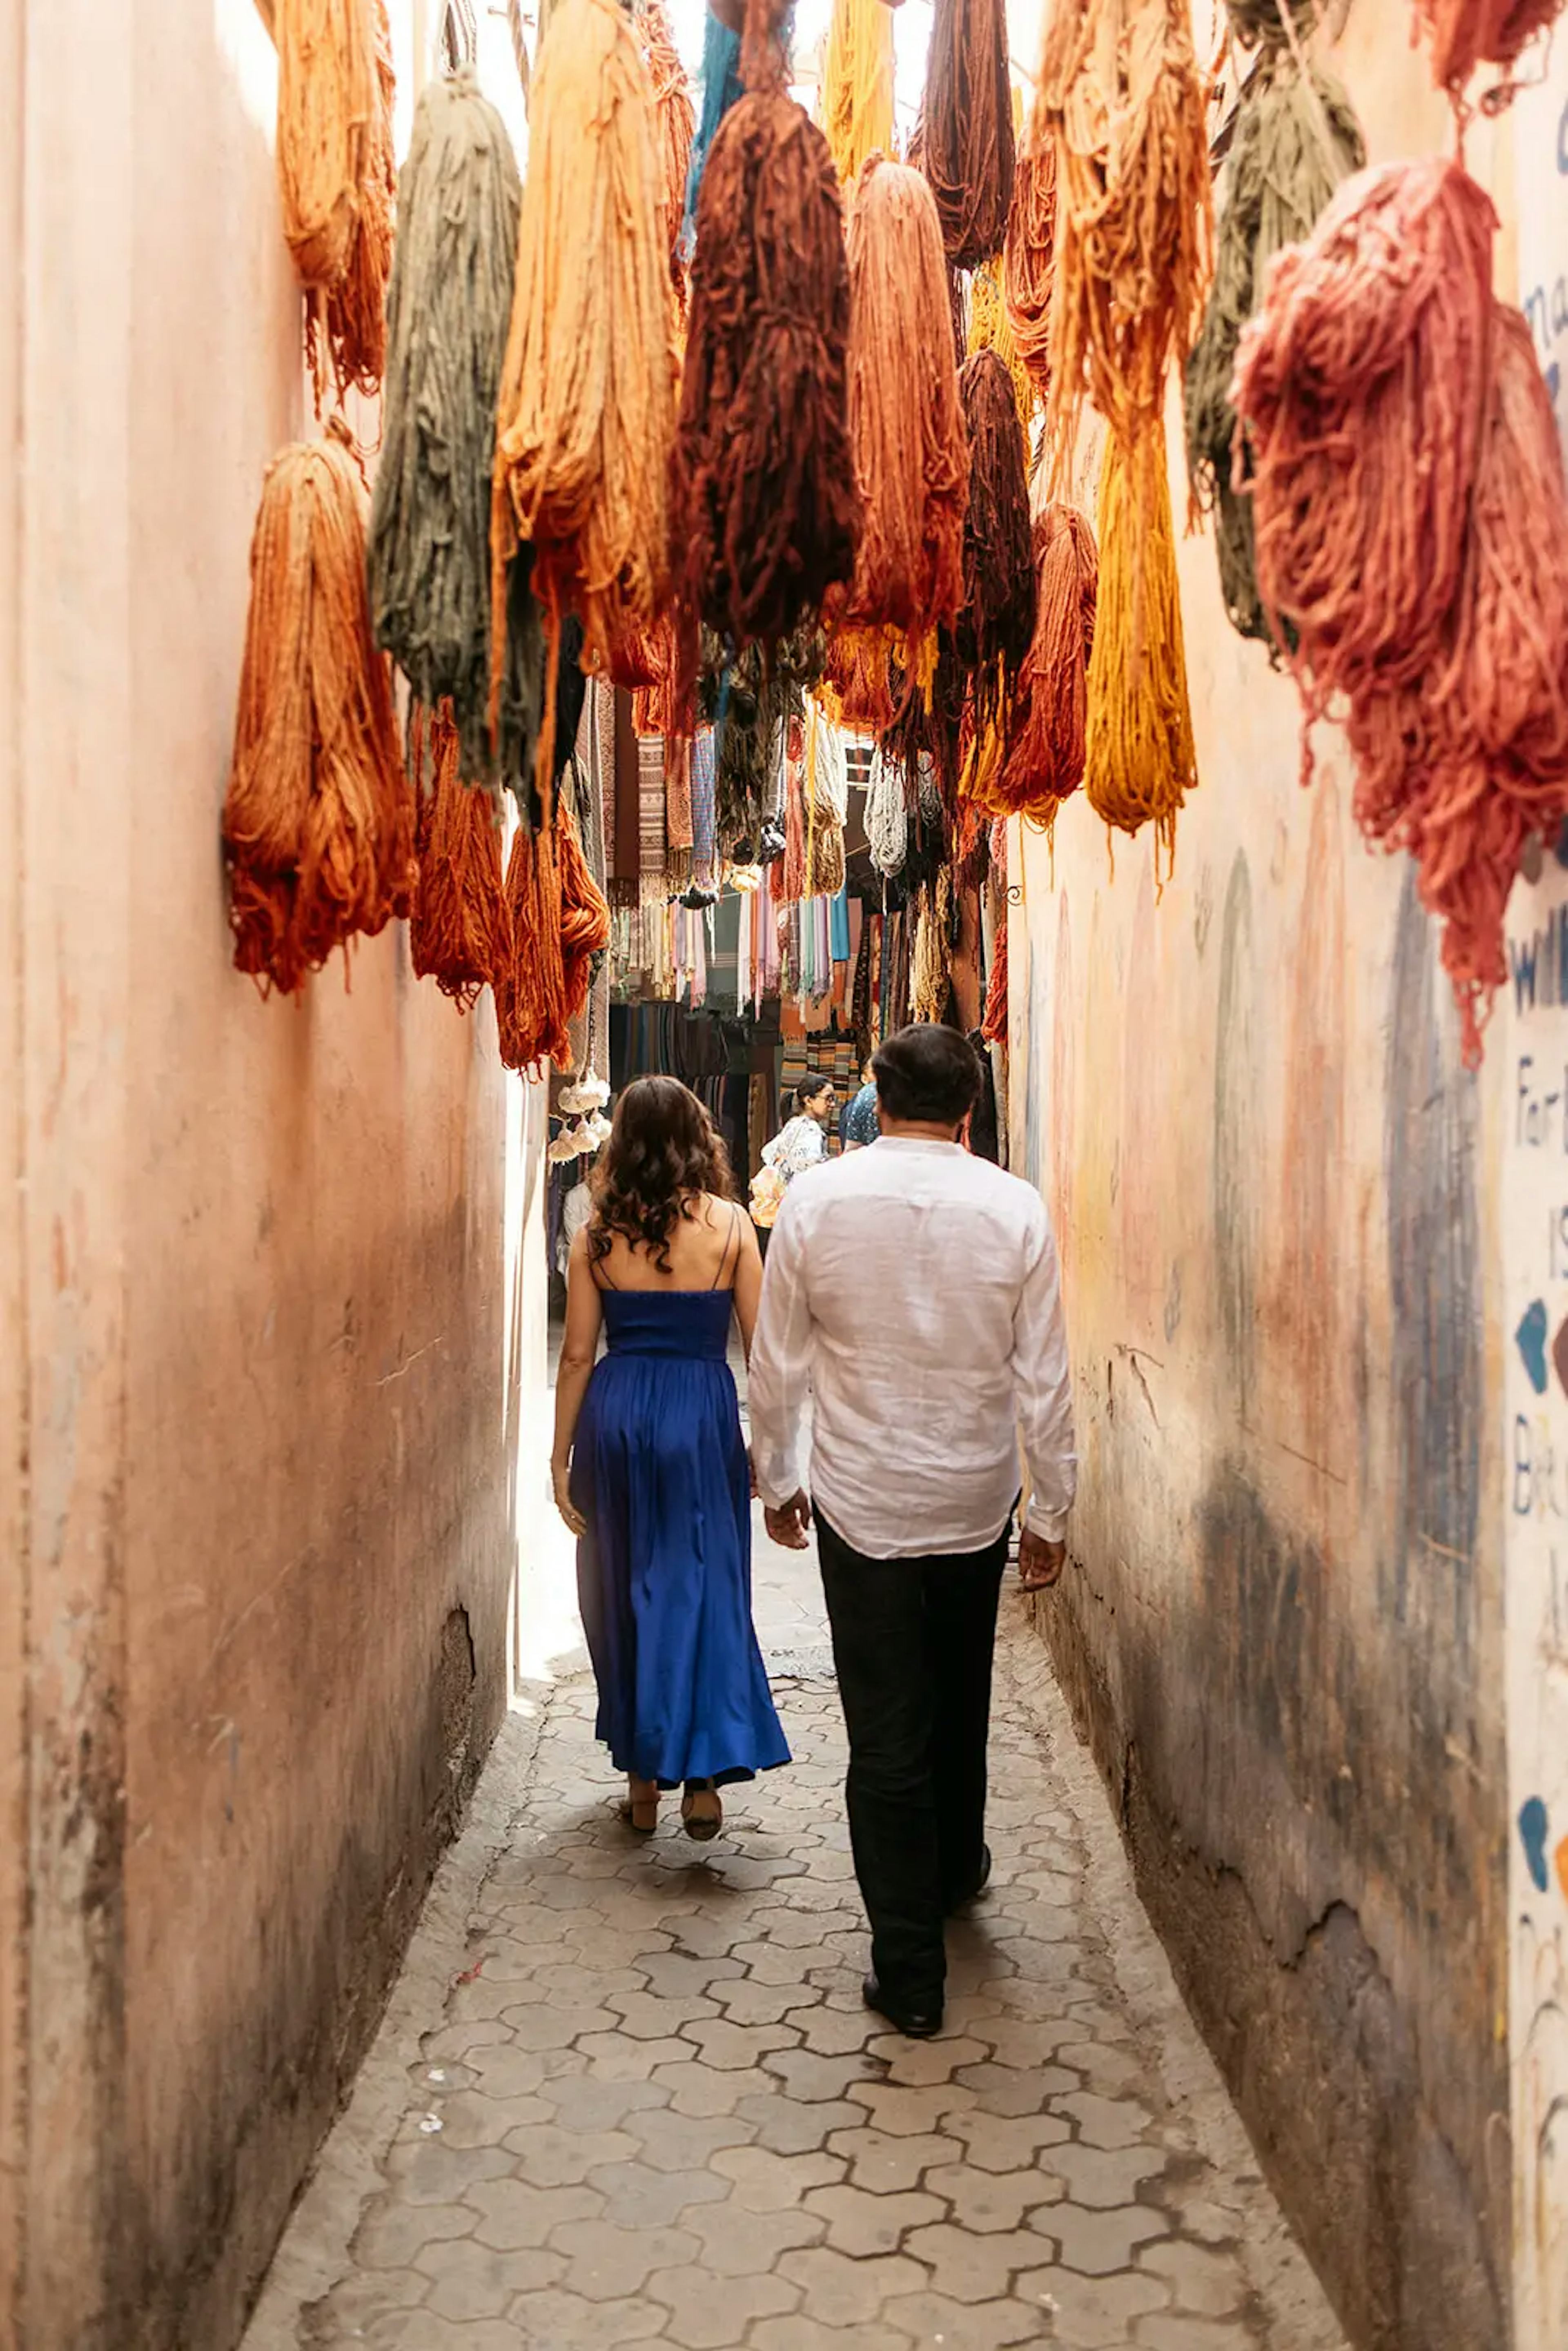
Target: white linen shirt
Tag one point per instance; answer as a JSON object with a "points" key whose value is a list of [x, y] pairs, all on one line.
{"points": [[912, 1292]]}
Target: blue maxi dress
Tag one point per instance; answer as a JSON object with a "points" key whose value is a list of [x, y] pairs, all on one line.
{"points": [[663, 1573]]}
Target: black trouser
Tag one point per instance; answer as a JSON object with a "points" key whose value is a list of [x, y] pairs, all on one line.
{"points": [[912, 1642]]}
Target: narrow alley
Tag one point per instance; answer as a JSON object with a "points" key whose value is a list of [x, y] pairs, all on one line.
{"points": [[629, 2095]]}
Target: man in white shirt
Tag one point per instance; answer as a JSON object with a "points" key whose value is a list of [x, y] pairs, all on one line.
{"points": [[912, 1291]]}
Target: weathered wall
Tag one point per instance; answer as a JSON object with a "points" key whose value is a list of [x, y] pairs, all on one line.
{"points": [[1275, 1189], [269, 1548]]}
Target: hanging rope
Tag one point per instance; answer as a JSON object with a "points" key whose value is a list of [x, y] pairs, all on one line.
{"points": [[857, 85], [1467, 34], [673, 105], [519, 46], [1028, 255], [1125, 102], [764, 480], [459, 933], [448, 311], [906, 425], [964, 141], [997, 623], [1296, 138], [1141, 761], [318, 818], [586, 410], [338, 179], [1046, 754]]}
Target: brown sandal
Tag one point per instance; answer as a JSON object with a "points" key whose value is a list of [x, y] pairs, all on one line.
{"points": [[639, 1809], [702, 1814]]}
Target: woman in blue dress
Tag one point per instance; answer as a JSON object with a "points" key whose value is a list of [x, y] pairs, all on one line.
{"points": [[649, 1464]]}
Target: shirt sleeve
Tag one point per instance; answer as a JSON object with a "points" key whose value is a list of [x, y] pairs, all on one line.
{"points": [[780, 1375], [1044, 1387]]}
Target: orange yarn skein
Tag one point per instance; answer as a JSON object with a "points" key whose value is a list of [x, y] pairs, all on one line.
{"points": [[459, 930], [337, 179]]}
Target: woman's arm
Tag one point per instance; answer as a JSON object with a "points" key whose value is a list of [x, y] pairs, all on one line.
{"points": [[748, 1283], [584, 1313]]}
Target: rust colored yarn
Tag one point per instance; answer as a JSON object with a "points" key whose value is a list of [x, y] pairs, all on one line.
{"points": [[763, 489], [319, 818], [1046, 755], [1126, 104], [1362, 384], [964, 142], [459, 930], [994, 1025], [338, 179], [997, 623], [857, 683], [672, 103], [1140, 758], [560, 922], [587, 401], [1467, 34], [906, 424], [1029, 255]]}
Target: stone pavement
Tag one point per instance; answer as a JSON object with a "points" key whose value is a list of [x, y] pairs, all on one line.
{"points": [[626, 2092]]}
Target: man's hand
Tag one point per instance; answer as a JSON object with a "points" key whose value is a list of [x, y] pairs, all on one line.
{"points": [[1039, 1562], [788, 1527]]}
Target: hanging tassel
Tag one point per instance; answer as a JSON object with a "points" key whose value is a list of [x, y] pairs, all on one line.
{"points": [[964, 142], [319, 818], [764, 481], [857, 86], [586, 409], [448, 314], [1045, 759], [1141, 760], [1296, 138], [458, 931], [338, 179]]}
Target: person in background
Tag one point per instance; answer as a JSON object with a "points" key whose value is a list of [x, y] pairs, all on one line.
{"points": [[800, 1144], [914, 1474], [650, 1468], [860, 1126]]}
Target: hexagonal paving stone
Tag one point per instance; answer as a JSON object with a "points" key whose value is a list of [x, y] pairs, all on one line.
{"points": [[768, 2182], [1205, 2283], [469, 2280], [604, 2262], [860, 2223], [1091, 2314], [989, 2202], [931, 2319], [1097, 2242], [511, 2214], [1104, 2178], [1167, 2332], [708, 2320], [970, 2268], [888, 2163], [837, 2290]]}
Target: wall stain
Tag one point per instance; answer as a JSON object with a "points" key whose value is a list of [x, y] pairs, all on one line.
{"points": [[1309, 1293], [1237, 1079], [1063, 1104], [1146, 1136]]}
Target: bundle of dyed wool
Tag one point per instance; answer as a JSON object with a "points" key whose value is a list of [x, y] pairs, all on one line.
{"points": [[997, 623], [448, 312], [886, 815], [1362, 385], [1121, 92], [1046, 750], [991, 329], [906, 424], [721, 87], [964, 142], [318, 818], [994, 1027], [1467, 34], [1029, 255], [560, 922], [857, 85], [749, 703], [459, 930], [665, 705], [764, 479], [672, 103], [1140, 758], [587, 401], [1382, 385], [338, 178], [1296, 138]]}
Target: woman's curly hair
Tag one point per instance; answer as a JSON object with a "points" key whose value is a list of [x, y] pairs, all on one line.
{"points": [[663, 1153]]}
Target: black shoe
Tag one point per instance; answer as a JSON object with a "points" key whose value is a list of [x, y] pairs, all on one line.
{"points": [[915, 2023], [971, 1892]]}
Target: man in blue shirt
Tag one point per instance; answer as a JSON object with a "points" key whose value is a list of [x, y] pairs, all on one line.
{"points": [[860, 1126]]}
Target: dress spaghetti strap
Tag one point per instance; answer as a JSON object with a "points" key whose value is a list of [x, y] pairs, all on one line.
{"points": [[733, 1239]]}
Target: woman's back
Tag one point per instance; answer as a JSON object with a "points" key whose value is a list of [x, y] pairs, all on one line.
{"points": [[701, 1252]]}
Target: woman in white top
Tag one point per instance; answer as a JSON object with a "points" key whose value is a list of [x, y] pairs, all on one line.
{"points": [[801, 1142]]}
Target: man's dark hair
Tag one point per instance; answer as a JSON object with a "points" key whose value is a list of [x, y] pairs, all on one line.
{"points": [[927, 1075]]}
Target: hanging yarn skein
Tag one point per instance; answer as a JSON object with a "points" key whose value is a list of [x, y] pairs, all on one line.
{"points": [[672, 104], [1140, 758], [996, 622], [906, 422], [857, 86], [459, 929], [1467, 34], [721, 87], [1028, 254], [448, 314], [1296, 139], [338, 178], [1125, 102], [1048, 746], [764, 482], [964, 141], [586, 411], [560, 921], [317, 820]]}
